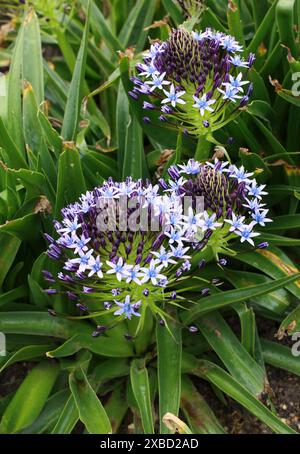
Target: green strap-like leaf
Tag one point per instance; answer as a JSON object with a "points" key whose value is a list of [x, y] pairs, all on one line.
{"points": [[285, 22], [286, 222], [232, 353], [277, 301], [32, 64], [291, 323], [169, 349], [222, 380], [67, 418], [134, 150], [25, 353], [133, 31], [91, 411], [102, 346], [70, 180], [72, 110], [30, 398], [9, 247], [116, 407], [78, 334], [263, 28], [141, 390], [50, 413], [213, 302], [13, 154], [280, 356], [26, 228], [102, 26], [234, 21], [173, 10], [200, 417], [14, 111], [275, 263]]}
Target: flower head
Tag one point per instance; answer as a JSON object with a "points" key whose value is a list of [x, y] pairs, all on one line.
{"points": [[231, 204], [99, 255], [195, 80], [124, 252]]}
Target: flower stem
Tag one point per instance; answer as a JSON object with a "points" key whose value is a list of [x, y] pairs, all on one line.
{"points": [[203, 149]]}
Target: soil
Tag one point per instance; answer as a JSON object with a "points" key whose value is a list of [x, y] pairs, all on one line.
{"points": [[12, 377]]}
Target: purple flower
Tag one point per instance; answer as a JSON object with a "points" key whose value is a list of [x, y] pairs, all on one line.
{"points": [[137, 263]]}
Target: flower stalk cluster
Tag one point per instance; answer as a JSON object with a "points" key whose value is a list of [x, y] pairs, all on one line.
{"points": [[138, 262]]}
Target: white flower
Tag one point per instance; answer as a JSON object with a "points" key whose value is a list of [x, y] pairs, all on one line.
{"points": [[260, 217], [180, 253], [203, 104], [128, 309], [191, 168], [150, 194], [221, 166], [176, 236], [163, 257], [174, 218], [83, 260], [79, 244], [230, 44], [126, 188], [253, 205], [154, 50], [208, 33], [67, 240], [162, 205], [236, 83], [134, 274], [158, 82], [197, 36], [208, 223], [230, 94], [70, 226], [175, 185], [240, 174], [95, 266], [173, 97], [120, 269], [247, 234], [236, 223], [109, 192], [148, 70], [256, 191], [238, 62], [152, 273], [87, 201], [193, 221]]}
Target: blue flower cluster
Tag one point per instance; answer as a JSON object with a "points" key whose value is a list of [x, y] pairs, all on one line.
{"points": [[138, 261], [194, 80]]}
